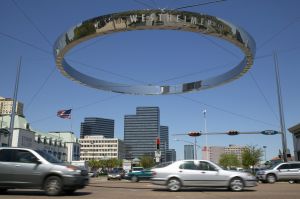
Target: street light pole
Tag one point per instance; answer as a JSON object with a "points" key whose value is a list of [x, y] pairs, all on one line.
{"points": [[205, 131], [282, 122], [13, 112], [265, 150]]}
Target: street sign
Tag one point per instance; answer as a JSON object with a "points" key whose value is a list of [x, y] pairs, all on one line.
{"points": [[269, 132]]}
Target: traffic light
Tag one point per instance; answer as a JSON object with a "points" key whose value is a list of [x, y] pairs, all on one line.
{"points": [[157, 143], [194, 134], [233, 132]]}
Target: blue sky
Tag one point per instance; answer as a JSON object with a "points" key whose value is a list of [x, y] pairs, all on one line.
{"points": [[29, 29]]}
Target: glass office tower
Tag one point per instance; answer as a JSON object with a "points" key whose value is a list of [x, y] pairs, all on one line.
{"points": [[141, 131], [97, 126]]}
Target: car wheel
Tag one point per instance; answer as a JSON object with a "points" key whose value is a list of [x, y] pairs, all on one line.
{"points": [[53, 186], [174, 184], [291, 181], [3, 190], [271, 178], [134, 179], [69, 191], [236, 184]]}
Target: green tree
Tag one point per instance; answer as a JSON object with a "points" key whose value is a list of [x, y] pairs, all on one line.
{"points": [[147, 161], [251, 156], [229, 160], [94, 165]]}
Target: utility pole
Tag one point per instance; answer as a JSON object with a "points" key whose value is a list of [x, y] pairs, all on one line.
{"points": [[13, 112], [281, 114]]}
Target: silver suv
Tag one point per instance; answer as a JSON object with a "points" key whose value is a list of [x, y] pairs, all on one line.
{"points": [[27, 168], [287, 171], [200, 173]]}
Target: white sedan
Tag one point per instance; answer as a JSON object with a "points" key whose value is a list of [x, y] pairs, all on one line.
{"points": [[200, 173]]}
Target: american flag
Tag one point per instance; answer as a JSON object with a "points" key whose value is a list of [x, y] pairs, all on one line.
{"points": [[65, 114]]}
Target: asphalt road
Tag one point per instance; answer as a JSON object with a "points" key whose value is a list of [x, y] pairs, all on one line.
{"points": [[100, 188]]}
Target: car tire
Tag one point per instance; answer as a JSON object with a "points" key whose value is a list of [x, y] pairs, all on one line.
{"points": [[271, 178], [134, 179], [236, 184], [53, 186], [174, 184], [291, 181], [3, 190]]}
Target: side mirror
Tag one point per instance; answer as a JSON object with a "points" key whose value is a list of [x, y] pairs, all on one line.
{"points": [[36, 160]]}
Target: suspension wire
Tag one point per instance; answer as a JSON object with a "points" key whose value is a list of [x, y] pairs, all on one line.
{"points": [[26, 43], [40, 88], [154, 3], [279, 52], [227, 111], [78, 108], [106, 71], [144, 4], [31, 22], [261, 92], [279, 32], [199, 4], [171, 2], [86, 46], [192, 74]]}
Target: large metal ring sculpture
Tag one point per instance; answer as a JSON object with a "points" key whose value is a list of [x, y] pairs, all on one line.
{"points": [[161, 20]]}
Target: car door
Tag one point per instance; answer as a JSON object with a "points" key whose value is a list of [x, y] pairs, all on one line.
{"points": [[295, 171], [284, 172], [189, 174], [209, 175], [25, 170], [5, 166]]}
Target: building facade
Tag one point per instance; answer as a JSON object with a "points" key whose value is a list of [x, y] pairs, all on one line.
{"points": [[141, 131], [97, 126], [295, 130], [214, 152], [171, 155], [164, 142], [189, 152], [71, 142], [6, 105], [97, 147]]}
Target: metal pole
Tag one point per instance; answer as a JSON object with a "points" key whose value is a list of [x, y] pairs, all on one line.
{"points": [[195, 148], [282, 122], [13, 112], [265, 148], [206, 147]]}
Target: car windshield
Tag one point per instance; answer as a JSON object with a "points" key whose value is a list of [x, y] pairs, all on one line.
{"points": [[50, 158]]}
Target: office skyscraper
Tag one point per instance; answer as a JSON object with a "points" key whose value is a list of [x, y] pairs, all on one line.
{"points": [[189, 152], [141, 131], [97, 126]]}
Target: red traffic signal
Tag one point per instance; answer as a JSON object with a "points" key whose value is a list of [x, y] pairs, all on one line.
{"points": [[232, 132], [194, 134], [157, 143]]}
